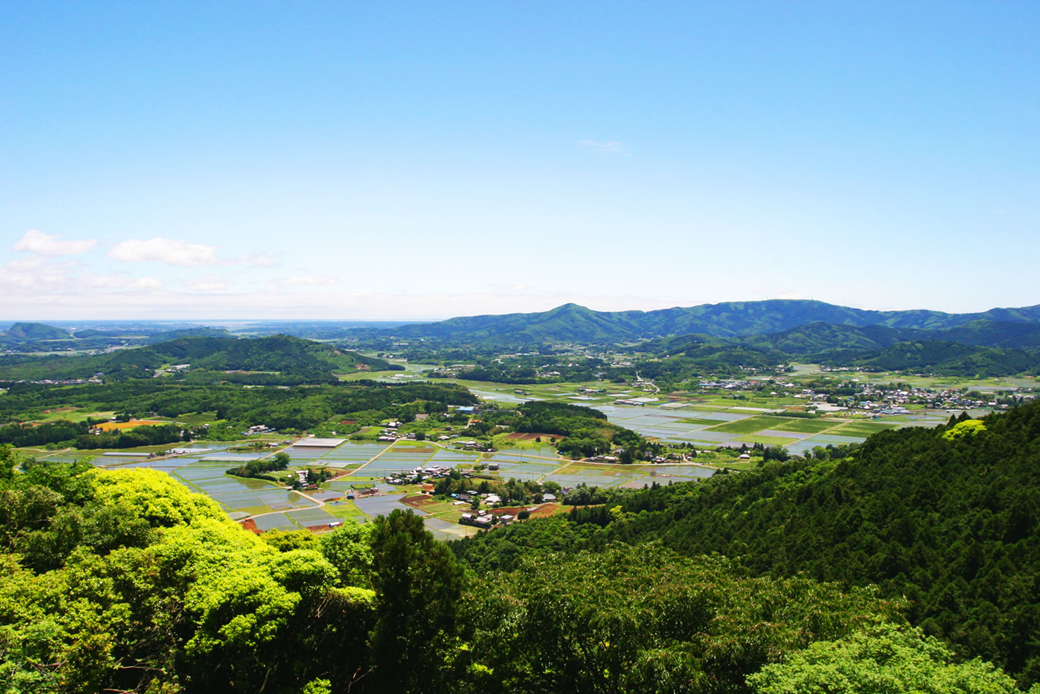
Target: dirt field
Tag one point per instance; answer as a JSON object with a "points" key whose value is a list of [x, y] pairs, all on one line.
{"points": [[543, 511], [250, 525], [419, 500], [111, 426], [517, 436]]}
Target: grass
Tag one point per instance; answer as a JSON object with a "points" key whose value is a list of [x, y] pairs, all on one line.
{"points": [[72, 414], [767, 440], [699, 421], [198, 418], [808, 426], [863, 428], [745, 465], [344, 509], [751, 425]]}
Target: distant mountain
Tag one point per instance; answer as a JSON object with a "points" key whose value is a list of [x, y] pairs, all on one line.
{"points": [[574, 323], [35, 331], [941, 358], [823, 337], [269, 360], [168, 335]]}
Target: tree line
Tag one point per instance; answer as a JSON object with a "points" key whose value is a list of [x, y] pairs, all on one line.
{"points": [[126, 581]]}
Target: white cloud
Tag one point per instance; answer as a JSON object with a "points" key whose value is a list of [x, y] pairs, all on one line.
{"points": [[607, 147], [36, 241], [145, 283], [169, 251], [257, 260], [303, 281], [209, 283], [118, 282], [35, 274]]}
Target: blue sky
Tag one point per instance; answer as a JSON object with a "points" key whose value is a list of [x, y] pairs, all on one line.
{"points": [[423, 160]]}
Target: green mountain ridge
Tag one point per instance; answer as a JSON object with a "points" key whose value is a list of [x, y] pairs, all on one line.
{"points": [[298, 359], [572, 322], [27, 332]]}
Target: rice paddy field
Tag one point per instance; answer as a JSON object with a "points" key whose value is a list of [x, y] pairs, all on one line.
{"points": [[710, 420], [703, 421]]}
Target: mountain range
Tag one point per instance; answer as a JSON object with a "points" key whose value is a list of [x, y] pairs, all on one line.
{"points": [[574, 323]]}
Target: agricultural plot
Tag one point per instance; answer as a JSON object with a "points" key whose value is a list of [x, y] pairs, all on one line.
{"points": [[808, 426], [863, 428], [383, 505], [699, 421], [767, 440], [276, 521], [750, 425], [312, 517], [780, 433]]}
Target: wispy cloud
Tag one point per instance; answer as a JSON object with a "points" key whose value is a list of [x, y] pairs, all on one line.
{"points": [[35, 273], [168, 251], [36, 241], [508, 287], [119, 282], [303, 281], [208, 283], [606, 147], [257, 260]]}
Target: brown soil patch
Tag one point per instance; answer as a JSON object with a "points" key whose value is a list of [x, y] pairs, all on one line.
{"points": [[547, 510], [543, 510], [419, 500], [250, 525], [517, 436]]}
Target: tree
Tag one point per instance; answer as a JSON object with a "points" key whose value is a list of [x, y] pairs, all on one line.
{"points": [[882, 659], [349, 549], [418, 585]]}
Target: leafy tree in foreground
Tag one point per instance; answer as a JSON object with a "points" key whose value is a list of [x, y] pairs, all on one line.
{"points": [[644, 619], [885, 659], [418, 584]]}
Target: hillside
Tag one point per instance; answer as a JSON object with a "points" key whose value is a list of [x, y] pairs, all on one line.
{"points": [[947, 517], [940, 358], [125, 581], [980, 348], [571, 322], [277, 359], [27, 332]]}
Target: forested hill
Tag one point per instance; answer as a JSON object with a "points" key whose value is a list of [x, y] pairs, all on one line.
{"points": [[269, 359], [947, 517], [977, 349], [571, 322]]}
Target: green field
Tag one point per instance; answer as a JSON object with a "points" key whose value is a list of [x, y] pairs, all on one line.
{"points": [[699, 421], [751, 424], [808, 426], [767, 440], [863, 428]]}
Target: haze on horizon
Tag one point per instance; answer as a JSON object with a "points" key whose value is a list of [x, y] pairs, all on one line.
{"points": [[421, 161]]}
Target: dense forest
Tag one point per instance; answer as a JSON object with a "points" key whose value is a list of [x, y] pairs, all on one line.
{"points": [[947, 518], [125, 581], [276, 360], [297, 408]]}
